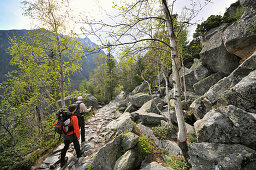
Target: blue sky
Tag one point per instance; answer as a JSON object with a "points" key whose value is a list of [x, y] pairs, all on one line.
{"points": [[11, 15], [11, 12]]}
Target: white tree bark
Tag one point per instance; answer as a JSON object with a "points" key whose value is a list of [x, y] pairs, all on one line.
{"points": [[182, 133]]}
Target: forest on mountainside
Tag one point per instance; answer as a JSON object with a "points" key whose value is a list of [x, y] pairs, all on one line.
{"points": [[46, 58]]}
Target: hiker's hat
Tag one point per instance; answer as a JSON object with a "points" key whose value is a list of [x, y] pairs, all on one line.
{"points": [[80, 98]]}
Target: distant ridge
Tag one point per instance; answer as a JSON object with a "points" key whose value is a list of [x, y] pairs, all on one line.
{"points": [[88, 64]]}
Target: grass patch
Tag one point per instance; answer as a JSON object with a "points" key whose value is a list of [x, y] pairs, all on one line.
{"points": [[162, 132], [175, 162], [145, 147], [90, 166], [192, 137], [123, 134], [134, 130]]}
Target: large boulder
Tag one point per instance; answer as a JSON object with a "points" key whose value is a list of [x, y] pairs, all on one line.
{"points": [[242, 95], [130, 140], [143, 88], [107, 155], [123, 103], [122, 124], [213, 156], [227, 125], [240, 37], [199, 70], [146, 118], [203, 104], [90, 100], [154, 106], [204, 85], [139, 99], [121, 96], [190, 80], [154, 166], [126, 161], [214, 54], [200, 107]]}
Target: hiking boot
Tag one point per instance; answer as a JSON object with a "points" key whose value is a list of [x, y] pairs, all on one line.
{"points": [[62, 163]]}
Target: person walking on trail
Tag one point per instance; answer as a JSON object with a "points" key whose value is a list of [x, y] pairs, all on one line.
{"points": [[72, 135], [81, 110]]}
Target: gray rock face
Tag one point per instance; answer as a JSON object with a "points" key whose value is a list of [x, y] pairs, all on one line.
{"points": [[203, 104], [228, 125], [143, 88], [240, 37], [106, 157], [214, 54], [204, 85], [90, 100], [129, 141], [121, 96], [154, 166], [154, 106], [190, 79], [231, 11], [130, 108], [122, 124], [248, 3], [220, 156], [199, 70], [123, 103], [126, 161], [200, 107], [139, 99], [149, 118], [242, 95]]}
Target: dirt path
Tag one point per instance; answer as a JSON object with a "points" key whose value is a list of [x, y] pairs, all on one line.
{"points": [[95, 132]]}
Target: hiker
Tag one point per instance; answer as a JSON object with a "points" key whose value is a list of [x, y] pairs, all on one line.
{"points": [[81, 110], [72, 134]]}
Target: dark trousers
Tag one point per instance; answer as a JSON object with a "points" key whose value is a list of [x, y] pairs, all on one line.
{"points": [[81, 126], [67, 141]]}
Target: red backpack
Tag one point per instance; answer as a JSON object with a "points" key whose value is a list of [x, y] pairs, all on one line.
{"points": [[62, 125]]}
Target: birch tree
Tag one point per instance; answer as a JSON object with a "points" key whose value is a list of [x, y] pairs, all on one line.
{"points": [[55, 18]]}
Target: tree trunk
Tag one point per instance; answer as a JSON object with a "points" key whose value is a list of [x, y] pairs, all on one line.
{"points": [[176, 65], [168, 101], [62, 95]]}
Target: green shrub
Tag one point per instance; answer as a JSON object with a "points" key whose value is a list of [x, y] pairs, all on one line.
{"points": [[145, 147], [175, 162], [28, 162], [134, 130], [192, 137], [227, 18], [123, 134], [216, 20], [90, 166], [161, 132], [212, 22]]}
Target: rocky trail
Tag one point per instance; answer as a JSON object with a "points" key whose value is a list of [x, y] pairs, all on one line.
{"points": [[95, 132]]}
